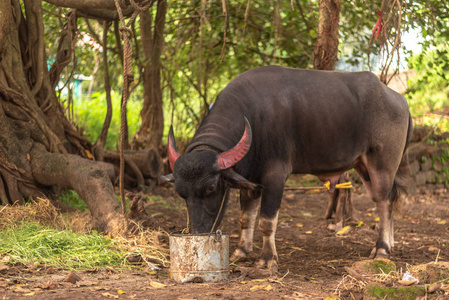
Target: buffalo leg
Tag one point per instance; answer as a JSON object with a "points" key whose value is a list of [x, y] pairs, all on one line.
{"points": [[380, 185], [268, 218], [332, 204], [385, 242], [269, 257], [249, 203], [339, 211]]}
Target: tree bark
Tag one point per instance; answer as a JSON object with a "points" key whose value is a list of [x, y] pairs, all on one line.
{"points": [[91, 180], [150, 133], [39, 147], [326, 47]]}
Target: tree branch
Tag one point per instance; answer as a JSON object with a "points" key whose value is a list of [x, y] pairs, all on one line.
{"points": [[104, 14], [89, 4]]}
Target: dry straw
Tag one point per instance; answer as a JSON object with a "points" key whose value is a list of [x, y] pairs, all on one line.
{"points": [[147, 244]]}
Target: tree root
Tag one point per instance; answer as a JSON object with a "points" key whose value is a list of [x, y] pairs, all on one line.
{"points": [[91, 180], [143, 167]]}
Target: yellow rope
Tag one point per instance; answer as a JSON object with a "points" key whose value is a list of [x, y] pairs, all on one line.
{"points": [[344, 185]]}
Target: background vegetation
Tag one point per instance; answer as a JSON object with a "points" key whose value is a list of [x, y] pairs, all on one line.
{"points": [[204, 49]]}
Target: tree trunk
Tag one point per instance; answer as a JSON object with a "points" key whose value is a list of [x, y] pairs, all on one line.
{"points": [[150, 133], [326, 48], [39, 147]]}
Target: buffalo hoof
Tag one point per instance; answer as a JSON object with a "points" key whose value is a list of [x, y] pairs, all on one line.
{"points": [[270, 264], [379, 253], [238, 255]]}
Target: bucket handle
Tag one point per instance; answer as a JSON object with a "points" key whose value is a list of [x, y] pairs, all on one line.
{"points": [[218, 235]]}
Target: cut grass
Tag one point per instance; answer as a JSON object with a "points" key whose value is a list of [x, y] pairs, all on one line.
{"points": [[36, 233], [31, 242]]}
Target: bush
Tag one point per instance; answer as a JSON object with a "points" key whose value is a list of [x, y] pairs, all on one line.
{"points": [[90, 115]]}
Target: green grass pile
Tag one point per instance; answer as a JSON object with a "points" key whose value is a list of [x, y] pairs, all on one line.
{"points": [[31, 242]]}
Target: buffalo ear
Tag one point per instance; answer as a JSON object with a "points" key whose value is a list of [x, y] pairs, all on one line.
{"points": [[235, 180], [168, 178]]}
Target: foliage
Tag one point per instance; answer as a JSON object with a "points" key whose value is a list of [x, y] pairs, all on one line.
{"points": [[90, 114], [429, 89], [32, 242], [71, 198], [204, 48]]}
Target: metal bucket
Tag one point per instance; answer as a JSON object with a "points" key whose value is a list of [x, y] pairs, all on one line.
{"points": [[200, 257]]}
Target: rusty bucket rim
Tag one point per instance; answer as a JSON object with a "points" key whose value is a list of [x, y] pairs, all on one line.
{"points": [[180, 234]]}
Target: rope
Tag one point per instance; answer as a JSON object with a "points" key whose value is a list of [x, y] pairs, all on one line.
{"points": [[187, 229], [327, 184], [221, 208], [126, 34], [344, 185]]}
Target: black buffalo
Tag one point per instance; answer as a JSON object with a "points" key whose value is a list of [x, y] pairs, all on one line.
{"points": [[273, 121]]}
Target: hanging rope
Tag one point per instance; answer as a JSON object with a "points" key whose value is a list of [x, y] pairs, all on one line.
{"points": [[126, 35]]}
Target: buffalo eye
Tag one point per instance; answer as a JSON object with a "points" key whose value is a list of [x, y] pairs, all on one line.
{"points": [[210, 189]]}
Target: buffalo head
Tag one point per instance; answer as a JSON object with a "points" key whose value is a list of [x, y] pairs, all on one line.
{"points": [[202, 178]]}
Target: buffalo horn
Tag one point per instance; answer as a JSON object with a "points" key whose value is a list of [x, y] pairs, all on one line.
{"points": [[231, 157], [173, 153]]}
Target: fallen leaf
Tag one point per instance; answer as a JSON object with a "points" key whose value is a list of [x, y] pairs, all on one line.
{"points": [[434, 287], [256, 287], [120, 292], [377, 219], [259, 279], [109, 295], [89, 154], [360, 224], [269, 288], [299, 225], [72, 277], [157, 285], [344, 230], [433, 249], [309, 232], [442, 222], [29, 294], [21, 290], [368, 214], [407, 282]]}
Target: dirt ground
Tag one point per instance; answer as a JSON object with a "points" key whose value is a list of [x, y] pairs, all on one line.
{"points": [[312, 258]]}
